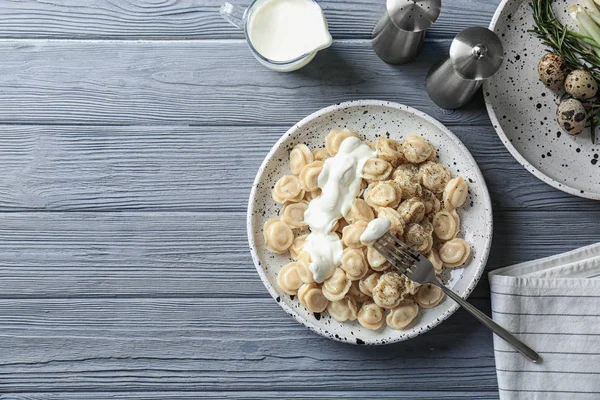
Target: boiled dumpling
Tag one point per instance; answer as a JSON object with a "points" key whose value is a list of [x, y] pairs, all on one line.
{"points": [[351, 234], [299, 157], [344, 309], [308, 196], [337, 285], [356, 294], [389, 290], [406, 171], [297, 246], [376, 261], [359, 211], [446, 225], [289, 279], [403, 314], [287, 188], [336, 137], [412, 210], [396, 222], [419, 238], [434, 176], [390, 151], [429, 296], [293, 214], [376, 169], [417, 149], [368, 283], [370, 316], [311, 297], [278, 236], [383, 194], [435, 260], [354, 263], [430, 201], [455, 193], [320, 154], [455, 252], [309, 176]]}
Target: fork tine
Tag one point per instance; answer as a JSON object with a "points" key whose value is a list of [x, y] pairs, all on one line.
{"points": [[404, 246], [401, 267], [391, 250], [409, 256], [380, 249], [405, 257]]}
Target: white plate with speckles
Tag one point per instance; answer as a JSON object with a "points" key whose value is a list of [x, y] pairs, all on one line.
{"points": [[371, 118], [523, 110]]}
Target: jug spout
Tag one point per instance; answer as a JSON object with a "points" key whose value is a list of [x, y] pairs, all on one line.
{"points": [[322, 38], [235, 15], [326, 41]]}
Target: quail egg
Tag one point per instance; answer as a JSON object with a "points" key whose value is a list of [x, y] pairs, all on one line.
{"points": [[571, 116], [552, 70], [581, 84]]}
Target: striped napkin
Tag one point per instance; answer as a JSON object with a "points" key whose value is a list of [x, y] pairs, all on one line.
{"points": [[553, 305]]}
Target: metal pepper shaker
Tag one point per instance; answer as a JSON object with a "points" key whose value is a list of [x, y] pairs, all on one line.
{"points": [[398, 36], [476, 53]]}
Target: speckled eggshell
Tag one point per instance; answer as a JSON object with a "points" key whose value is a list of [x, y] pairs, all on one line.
{"points": [[371, 119], [523, 110]]}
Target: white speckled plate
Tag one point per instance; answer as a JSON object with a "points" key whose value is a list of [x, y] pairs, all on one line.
{"points": [[523, 110], [371, 119]]}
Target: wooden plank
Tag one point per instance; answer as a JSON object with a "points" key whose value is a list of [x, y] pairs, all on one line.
{"points": [[90, 255], [220, 344], [111, 254], [198, 19], [219, 395], [199, 82], [171, 168]]}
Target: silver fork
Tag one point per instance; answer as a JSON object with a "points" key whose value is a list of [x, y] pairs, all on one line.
{"points": [[419, 269]]}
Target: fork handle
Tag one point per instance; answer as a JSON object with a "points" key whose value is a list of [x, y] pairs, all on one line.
{"points": [[493, 326]]}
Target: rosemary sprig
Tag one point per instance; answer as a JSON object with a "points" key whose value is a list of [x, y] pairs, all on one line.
{"points": [[572, 46], [563, 41]]}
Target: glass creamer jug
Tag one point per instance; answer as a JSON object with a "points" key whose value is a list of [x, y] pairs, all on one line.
{"points": [[283, 35]]}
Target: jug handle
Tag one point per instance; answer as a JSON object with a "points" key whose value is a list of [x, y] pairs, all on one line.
{"points": [[233, 14]]}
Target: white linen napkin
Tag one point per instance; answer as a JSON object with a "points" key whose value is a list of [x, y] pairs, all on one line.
{"points": [[553, 305]]}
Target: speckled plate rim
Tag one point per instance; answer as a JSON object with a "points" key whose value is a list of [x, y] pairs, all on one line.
{"points": [[505, 140], [338, 107]]}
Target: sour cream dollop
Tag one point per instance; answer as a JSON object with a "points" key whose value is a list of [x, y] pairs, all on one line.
{"points": [[340, 184], [376, 229]]}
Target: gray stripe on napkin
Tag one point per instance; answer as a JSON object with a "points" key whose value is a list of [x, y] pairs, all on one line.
{"points": [[553, 305]]}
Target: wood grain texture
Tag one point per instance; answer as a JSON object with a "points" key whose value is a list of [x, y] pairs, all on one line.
{"points": [[198, 19], [124, 267], [91, 255], [170, 168], [205, 82], [220, 344], [240, 395]]}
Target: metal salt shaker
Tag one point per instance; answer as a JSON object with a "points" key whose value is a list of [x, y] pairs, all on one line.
{"points": [[398, 36], [476, 53]]}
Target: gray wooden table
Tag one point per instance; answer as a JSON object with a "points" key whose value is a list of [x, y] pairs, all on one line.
{"points": [[130, 134]]}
